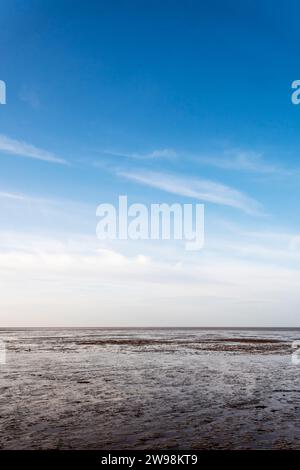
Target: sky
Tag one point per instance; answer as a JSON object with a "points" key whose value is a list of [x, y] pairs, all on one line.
{"points": [[165, 102]]}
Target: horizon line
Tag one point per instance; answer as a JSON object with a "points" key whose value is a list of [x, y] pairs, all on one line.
{"points": [[148, 327]]}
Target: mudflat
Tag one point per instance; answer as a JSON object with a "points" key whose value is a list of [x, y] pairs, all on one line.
{"points": [[149, 389]]}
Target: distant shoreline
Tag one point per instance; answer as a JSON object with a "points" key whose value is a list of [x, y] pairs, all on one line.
{"points": [[245, 328]]}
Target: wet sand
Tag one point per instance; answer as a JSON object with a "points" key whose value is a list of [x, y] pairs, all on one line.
{"points": [[149, 389]]}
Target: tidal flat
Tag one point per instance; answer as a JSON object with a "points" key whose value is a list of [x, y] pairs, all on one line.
{"points": [[178, 388]]}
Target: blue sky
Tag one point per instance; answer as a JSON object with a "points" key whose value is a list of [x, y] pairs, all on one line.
{"points": [[153, 100]]}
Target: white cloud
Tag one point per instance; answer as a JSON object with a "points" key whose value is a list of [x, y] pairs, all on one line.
{"points": [[237, 160], [13, 196], [29, 211], [155, 154], [242, 161], [203, 190], [23, 149], [74, 281]]}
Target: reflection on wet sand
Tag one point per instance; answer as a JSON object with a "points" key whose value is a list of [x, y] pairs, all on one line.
{"points": [[149, 389]]}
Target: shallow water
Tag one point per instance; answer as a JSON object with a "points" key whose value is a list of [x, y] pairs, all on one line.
{"points": [[149, 389]]}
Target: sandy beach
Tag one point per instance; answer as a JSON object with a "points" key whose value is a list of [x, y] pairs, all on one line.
{"points": [[149, 389]]}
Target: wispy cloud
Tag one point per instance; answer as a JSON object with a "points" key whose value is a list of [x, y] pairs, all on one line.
{"points": [[235, 159], [13, 196], [242, 161], [203, 190], [23, 149], [155, 154]]}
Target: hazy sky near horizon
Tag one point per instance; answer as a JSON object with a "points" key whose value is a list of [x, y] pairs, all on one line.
{"points": [[164, 102]]}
